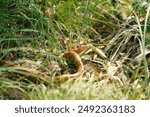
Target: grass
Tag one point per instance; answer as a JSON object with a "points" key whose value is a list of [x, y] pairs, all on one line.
{"points": [[34, 35]]}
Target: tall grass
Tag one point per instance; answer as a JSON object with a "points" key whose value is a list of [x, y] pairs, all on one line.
{"points": [[143, 42], [85, 14]]}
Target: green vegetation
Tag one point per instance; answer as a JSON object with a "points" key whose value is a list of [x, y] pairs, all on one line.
{"points": [[34, 34]]}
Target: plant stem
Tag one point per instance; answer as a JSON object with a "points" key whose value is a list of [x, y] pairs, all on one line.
{"points": [[84, 17]]}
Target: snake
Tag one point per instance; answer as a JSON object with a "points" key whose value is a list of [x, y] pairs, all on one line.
{"points": [[76, 61], [74, 54]]}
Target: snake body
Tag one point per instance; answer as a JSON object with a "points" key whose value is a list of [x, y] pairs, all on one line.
{"points": [[75, 55], [77, 62]]}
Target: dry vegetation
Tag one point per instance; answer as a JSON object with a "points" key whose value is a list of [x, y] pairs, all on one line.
{"points": [[35, 34]]}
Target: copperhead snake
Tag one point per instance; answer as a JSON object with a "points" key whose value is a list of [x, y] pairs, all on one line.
{"points": [[75, 55], [77, 62]]}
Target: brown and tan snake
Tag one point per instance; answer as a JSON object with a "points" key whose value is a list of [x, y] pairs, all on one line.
{"points": [[77, 62], [74, 54]]}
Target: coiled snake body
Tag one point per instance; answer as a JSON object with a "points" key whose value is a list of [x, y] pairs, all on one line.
{"points": [[75, 55], [77, 62]]}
